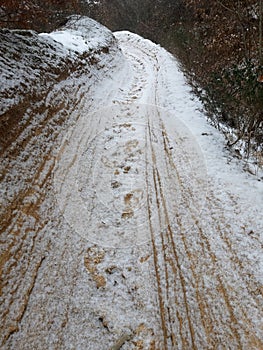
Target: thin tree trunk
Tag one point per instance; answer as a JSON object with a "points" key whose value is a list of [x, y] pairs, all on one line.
{"points": [[260, 33]]}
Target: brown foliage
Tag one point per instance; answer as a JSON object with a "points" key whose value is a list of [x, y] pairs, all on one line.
{"points": [[221, 46], [37, 14], [228, 28]]}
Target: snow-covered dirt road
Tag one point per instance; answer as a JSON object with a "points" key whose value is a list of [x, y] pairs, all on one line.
{"points": [[147, 234]]}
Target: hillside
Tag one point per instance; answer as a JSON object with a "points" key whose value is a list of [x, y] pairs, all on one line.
{"points": [[125, 222], [43, 83]]}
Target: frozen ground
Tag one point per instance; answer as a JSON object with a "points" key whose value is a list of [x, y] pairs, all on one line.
{"points": [[127, 225]]}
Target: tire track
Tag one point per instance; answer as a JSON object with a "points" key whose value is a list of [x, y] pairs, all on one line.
{"points": [[161, 206]]}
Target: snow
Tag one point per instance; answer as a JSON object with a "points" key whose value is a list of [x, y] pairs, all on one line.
{"points": [[31, 54], [80, 35], [69, 40], [148, 233]]}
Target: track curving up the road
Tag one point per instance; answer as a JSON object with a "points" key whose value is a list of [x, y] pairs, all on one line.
{"points": [[137, 247]]}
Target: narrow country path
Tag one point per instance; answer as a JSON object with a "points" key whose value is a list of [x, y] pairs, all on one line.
{"points": [[137, 247]]}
